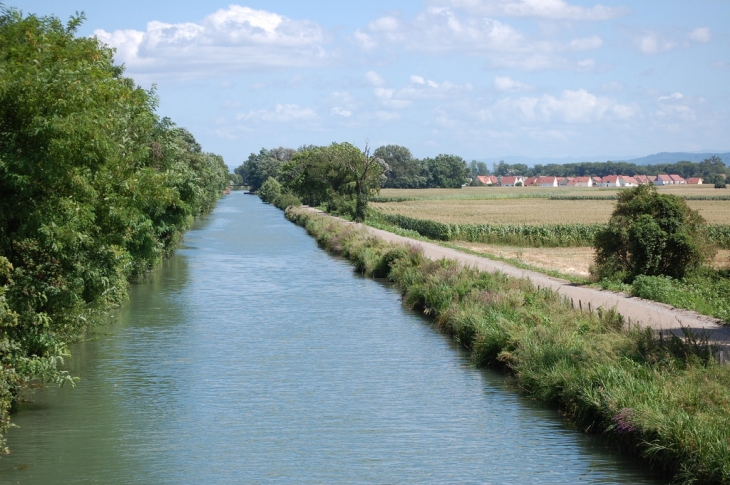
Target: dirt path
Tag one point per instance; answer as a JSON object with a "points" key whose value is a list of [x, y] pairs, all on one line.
{"points": [[637, 311]]}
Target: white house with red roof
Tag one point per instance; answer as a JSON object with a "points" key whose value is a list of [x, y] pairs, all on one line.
{"points": [[663, 179], [695, 181], [546, 181], [612, 181], [511, 181], [580, 182], [677, 179], [488, 179]]}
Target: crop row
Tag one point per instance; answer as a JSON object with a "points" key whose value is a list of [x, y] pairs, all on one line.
{"points": [[614, 197], [532, 235]]}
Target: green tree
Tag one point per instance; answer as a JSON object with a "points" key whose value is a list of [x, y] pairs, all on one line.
{"points": [[650, 234], [260, 166], [445, 171], [404, 171], [270, 190], [339, 177]]}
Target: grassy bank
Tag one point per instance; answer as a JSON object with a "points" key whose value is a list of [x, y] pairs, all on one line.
{"points": [[665, 399]]}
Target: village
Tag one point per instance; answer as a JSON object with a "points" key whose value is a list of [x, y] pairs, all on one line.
{"points": [[607, 181]]}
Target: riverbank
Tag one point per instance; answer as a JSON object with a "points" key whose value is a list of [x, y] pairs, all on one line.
{"points": [[664, 398]]}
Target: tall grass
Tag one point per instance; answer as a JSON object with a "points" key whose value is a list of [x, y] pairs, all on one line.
{"points": [[665, 399]]}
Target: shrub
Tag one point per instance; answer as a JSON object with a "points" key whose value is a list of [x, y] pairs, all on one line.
{"points": [[270, 190], [650, 234], [287, 200]]}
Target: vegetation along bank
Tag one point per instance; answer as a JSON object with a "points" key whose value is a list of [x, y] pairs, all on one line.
{"points": [[666, 399], [95, 190]]}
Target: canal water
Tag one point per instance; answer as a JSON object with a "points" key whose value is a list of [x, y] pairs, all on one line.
{"points": [[252, 356]]}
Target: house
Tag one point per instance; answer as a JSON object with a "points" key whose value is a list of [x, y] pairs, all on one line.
{"points": [[596, 181], [677, 179], [530, 181], [695, 181], [580, 182], [612, 181], [511, 181], [630, 181], [488, 179], [663, 179], [564, 181], [546, 181], [644, 179]]}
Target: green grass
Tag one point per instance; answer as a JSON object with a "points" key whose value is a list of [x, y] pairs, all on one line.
{"points": [[664, 399]]}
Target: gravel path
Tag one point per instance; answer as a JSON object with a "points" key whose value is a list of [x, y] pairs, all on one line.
{"points": [[636, 311]]}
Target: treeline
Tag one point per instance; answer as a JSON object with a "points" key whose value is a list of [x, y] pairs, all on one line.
{"points": [[403, 171], [95, 189], [708, 169], [400, 168]]}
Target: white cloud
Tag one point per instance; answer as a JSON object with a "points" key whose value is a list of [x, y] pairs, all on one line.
{"points": [[573, 106], [282, 113], [340, 111], [651, 42], [701, 34], [654, 43], [375, 79], [387, 115], [386, 98], [673, 96], [507, 84], [443, 30], [235, 38], [590, 43], [440, 30], [548, 9]]}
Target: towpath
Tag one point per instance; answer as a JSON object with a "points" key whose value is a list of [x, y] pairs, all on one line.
{"points": [[637, 311]]}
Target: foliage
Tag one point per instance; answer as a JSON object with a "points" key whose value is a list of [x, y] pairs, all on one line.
{"points": [[663, 398], [259, 167], [404, 171], [650, 234], [286, 200], [95, 189], [704, 293], [339, 177], [448, 171], [270, 190]]}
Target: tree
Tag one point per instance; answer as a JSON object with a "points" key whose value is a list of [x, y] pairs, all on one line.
{"points": [[650, 234], [260, 166], [445, 171], [270, 190], [339, 177], [404, 171]]}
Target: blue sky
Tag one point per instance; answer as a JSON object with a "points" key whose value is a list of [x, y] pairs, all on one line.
{"points": [[475, 78]]}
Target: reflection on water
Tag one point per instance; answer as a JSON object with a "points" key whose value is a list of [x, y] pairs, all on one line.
{"points": [[254, 357]]}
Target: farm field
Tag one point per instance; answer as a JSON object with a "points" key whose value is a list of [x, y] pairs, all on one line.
{"points": [[528, 205], [573, 261]]}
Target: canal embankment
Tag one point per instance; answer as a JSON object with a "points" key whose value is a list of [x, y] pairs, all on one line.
{"points": [[664, 397]]}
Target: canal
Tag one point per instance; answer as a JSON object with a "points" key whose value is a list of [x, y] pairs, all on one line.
{"points": [[252, 356]]}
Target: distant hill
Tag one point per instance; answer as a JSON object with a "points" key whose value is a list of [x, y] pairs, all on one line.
{"points": [[657, 158], [666, 157]]}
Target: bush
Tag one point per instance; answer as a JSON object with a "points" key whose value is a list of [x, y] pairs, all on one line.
{"points": [[286, 200], [270, 190], [650, 234]]}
